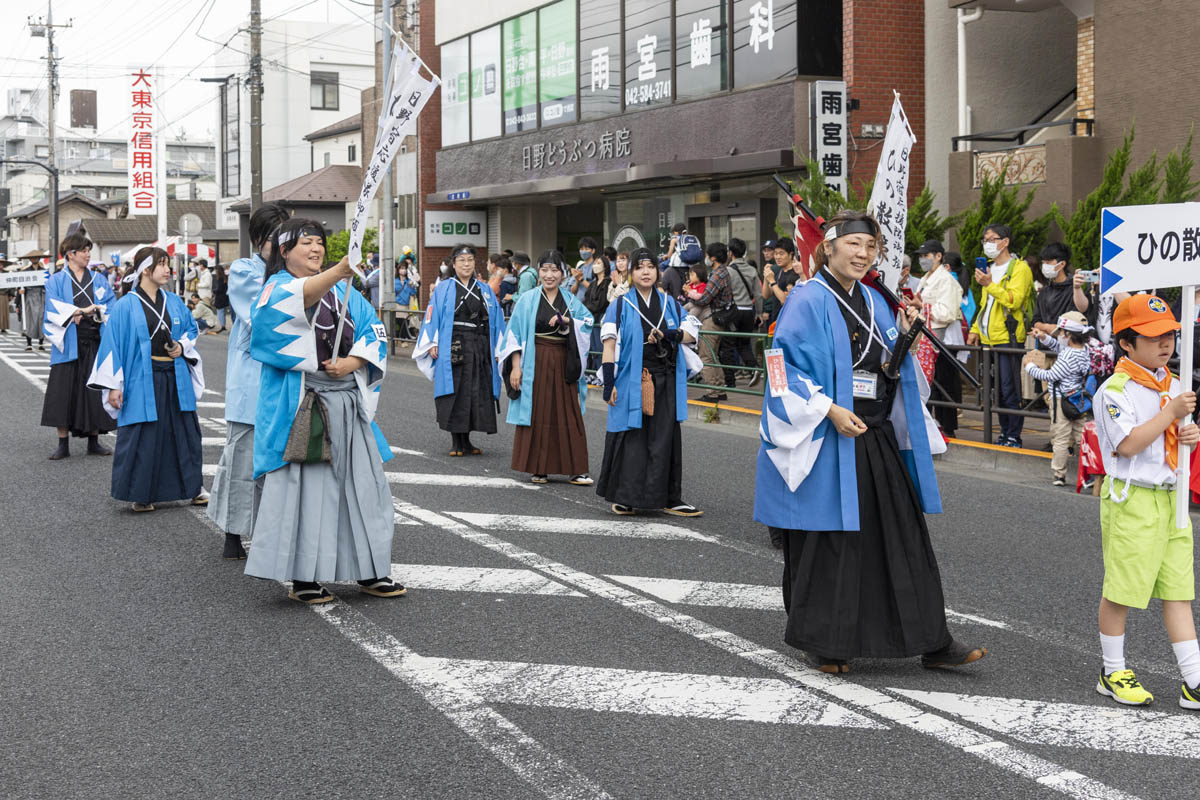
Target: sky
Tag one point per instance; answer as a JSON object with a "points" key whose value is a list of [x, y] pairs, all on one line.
{"points": [[110, 36]]}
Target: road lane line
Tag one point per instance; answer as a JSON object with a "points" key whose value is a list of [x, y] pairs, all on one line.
{"points": [[552, 777], [37, 382], [876, 702], [649, 692], [587, 527], [487, 580], [471, 481]]}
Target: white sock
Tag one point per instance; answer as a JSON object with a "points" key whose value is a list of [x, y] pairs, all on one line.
{"points": [[1113, 648], [1188, 655]]}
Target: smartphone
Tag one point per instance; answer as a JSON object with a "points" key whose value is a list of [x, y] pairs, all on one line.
{"points": [[981, 263], [1090, 275]]}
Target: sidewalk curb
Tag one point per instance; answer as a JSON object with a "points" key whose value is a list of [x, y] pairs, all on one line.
{"points": [[993, 457]]}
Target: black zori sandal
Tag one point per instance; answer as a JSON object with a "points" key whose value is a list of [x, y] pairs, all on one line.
{"points": [[309, 593], [381, 587], [233, 547]]}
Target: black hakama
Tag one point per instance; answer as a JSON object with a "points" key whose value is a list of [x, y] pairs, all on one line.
{"points": [[875, 592], [160, 461], [643, 467], [69, 403], [472, 406]]}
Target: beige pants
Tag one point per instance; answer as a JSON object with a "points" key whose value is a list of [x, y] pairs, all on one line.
{"points": [[1063, 433], [713, 376]]}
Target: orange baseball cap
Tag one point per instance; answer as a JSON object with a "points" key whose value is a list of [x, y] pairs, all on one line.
{"points": [[1146, 314]]}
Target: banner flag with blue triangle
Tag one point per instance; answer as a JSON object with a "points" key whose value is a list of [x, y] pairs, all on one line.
{"points": [[1149, 247]]}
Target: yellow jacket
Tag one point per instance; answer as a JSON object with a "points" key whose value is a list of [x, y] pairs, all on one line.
{"points": [[1008, 296]]}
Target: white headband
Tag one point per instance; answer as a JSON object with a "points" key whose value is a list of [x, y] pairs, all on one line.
{"points": [[133, 276]]}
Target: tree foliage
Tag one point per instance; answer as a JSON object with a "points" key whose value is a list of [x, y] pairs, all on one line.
{"points": [[924, 222], [1001, 204], [1082, 231], [1178, 186], [339, 244]]}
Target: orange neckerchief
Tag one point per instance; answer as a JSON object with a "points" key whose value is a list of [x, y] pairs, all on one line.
{"points": [[1143, 377]]}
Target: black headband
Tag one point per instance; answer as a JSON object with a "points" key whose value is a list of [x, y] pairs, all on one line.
{"points": [[463, 251], [286, 236], [849, 227]]}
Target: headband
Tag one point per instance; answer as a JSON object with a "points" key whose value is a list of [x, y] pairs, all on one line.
{"points": [[640, 255], [286, 236], [562, 265], [847, 228], [137, 273], [463, 251]]}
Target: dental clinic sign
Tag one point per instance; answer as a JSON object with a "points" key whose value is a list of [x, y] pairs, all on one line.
{"points": [[448, 228]]}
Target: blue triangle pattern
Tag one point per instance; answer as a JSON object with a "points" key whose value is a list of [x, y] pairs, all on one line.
{"points": [[1108, 222], [1109, 251], [1108, 279]]}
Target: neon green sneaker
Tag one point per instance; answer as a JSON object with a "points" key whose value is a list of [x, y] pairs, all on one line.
{"points": [[1189, 697], [1123, 687]]}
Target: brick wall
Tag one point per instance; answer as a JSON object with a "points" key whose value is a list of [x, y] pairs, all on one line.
{"points": [[1085, 69], [884, 49]]}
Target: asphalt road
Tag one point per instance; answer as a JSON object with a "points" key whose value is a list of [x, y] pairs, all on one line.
{"points": [[545, 648]]}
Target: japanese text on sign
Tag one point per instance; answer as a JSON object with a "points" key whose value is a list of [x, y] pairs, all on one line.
{"points": [[889, 197], [558, 152], [829, 132], [143, 157], [1149, 246]]}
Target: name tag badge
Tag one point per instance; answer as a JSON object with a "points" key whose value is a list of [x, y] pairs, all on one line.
{"points": [[776, 372], [892, 334], [379, 330], [866, 385], [174, 320]]}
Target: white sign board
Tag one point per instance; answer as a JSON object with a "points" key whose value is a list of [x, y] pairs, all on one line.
{"points": [[1149, 247], [143, 172], [448, 228], [15, 280], [829, 132], [889, 196]]}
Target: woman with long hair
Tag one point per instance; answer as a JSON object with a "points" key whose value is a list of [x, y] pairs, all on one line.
{"points": [[77, 301], [326, 508], [845, 471], [645, 371], [150, 376], [457, 351], [542, 358]]}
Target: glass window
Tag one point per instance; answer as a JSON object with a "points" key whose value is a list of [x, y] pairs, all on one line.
{"points": [[41, 151], [456, 93], [556, 45], [820, 48], [764, 41], [328, 158], [701, 53], [600, 58], [323, 90], [520, 73], [647, 53], [352, 153], [485, 83]]}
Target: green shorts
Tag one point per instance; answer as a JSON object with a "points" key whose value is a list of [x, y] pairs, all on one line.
{"points": [[1145, 555]]}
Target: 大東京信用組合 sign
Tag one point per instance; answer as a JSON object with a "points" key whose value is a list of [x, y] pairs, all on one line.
{"points": [[1149, 247]]}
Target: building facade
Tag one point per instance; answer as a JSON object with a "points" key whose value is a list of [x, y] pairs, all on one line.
{"points": [[620, 119]]}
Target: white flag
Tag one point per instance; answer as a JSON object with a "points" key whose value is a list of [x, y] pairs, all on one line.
{"points": [[889, 196], [410, 92]]}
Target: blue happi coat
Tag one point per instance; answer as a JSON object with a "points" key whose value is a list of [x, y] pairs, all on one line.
{"points": [[123, 359], [521, 338], [806, 472], [627, 330], [241, 370], [60, 307], [437, 330], [283, 340]]}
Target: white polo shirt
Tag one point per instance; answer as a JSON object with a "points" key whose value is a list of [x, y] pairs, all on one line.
{"points": [[1117, 414]]}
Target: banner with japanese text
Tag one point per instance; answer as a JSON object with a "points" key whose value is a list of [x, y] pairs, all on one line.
{"points": [[410, 93], [889, 197], [143, 151]]}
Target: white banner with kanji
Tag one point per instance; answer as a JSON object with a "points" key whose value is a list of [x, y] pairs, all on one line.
{"points": [[889, 196], [142, 152], [410, 92]]}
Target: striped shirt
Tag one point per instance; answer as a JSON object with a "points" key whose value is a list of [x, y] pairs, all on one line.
{"points": [[1070, 369]]}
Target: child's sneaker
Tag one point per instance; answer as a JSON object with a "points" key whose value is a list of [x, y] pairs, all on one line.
{"points": [[1123, 687], [1189, 697], [1058, 481]]}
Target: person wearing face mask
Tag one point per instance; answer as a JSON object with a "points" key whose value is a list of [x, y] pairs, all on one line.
{"points": [[1007, 290], [645, 385], [585, 269], [941, 292], [150, 376], [845, 470], [1066, 379], [1057, 296], [542, 357], [326, 509]]}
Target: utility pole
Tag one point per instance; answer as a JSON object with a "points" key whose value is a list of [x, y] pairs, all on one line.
{"points": [[46, 28], [387, 248], [255, 105]]}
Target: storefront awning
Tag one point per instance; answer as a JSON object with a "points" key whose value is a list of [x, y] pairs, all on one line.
{"points": [[693, 169]]}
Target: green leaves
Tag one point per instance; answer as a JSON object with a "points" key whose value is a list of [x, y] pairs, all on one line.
{"points": [[339, 244]]}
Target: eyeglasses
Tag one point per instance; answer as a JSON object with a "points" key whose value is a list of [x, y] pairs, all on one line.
{"points": [[987, 239]]}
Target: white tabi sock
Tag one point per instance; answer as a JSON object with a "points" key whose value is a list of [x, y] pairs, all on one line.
{"points": [[1188, 655], [1113, 648]]}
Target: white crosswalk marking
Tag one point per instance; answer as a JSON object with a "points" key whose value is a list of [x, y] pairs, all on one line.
{"points": [[587, 527], [1070, 725], [706, 593], [491, 580], [473, 481]]}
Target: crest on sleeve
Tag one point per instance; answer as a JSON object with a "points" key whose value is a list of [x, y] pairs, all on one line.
{"points": [[429, 311], [266, 294], [1113, 411], [378, 328]]}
